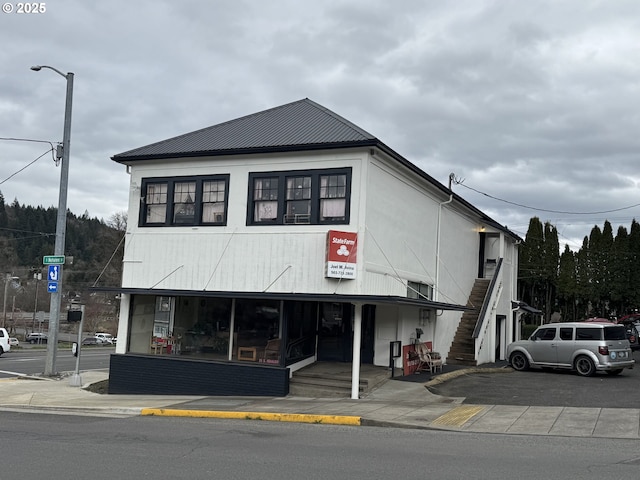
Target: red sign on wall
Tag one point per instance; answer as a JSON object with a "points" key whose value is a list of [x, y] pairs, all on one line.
{"points": [[410, 360], [341, 254]]}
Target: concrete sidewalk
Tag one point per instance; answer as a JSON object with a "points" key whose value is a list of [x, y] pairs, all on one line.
{"points": [[395, 403]]}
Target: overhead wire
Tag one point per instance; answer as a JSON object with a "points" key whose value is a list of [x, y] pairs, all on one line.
{"points": [[460, 182]]}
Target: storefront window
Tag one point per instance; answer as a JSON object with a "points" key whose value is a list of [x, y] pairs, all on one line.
{"points": [[301, 330], [202, 327], [257, 331]]}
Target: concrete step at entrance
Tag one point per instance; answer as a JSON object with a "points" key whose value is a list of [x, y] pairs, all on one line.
{"points": [[333, 380]]}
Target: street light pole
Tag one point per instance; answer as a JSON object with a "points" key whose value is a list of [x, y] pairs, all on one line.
{"points": [[61, 225], [37, 277], [8, 277]]}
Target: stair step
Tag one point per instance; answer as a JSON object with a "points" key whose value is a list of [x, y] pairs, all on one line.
{"points": [[325, 382], [462, 351], [455, 361], [319, 392], [310, 383]]}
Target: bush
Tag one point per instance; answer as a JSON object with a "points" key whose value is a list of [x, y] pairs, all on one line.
{"points": [[527, 330]]}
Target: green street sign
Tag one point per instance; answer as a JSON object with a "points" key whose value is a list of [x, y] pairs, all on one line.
{"points": [[53, 260]]}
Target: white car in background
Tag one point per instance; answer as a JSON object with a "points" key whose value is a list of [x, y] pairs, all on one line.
{"points": [[5, 346], [104, 338]]}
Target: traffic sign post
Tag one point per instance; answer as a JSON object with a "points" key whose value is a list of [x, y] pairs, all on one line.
{"points": [[53, 260], [54, 273]]}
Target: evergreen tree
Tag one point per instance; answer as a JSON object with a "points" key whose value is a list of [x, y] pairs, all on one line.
{"points": [[583, 280], [634, 266], [567, 286], [531, 272], [550, 261], [620, 269]]}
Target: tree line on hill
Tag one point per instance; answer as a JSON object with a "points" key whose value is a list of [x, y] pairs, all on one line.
{"points": [[599, 280], [93, 256]]}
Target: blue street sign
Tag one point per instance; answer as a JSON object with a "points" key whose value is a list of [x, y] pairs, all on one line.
{"points": [[52, 287], [54, 273]]}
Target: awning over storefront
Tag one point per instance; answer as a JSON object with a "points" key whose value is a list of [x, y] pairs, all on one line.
{"points": [[309, 297]]}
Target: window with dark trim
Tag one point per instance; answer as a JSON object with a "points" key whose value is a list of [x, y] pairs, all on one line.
{"points": [[419, 290], [299, 197], [180, 201]]}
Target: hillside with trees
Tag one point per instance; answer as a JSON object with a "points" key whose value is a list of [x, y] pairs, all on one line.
{"points": [[598, 280], [94, 251]]}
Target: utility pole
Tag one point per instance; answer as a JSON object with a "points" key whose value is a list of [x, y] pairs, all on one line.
{"points": [[61, 225]]}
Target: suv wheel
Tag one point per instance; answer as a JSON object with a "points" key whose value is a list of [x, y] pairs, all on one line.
{"points": [[519, 361], [584, 366]]}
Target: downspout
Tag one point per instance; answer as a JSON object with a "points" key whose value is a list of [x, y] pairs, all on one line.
{"points": [[436, 287]]}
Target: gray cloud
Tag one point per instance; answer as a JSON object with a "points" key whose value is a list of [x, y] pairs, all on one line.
{"points": [[529, 102]]}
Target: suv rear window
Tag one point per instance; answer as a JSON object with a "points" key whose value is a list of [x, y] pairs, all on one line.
{"points": [[615, 333], [589, 333]]}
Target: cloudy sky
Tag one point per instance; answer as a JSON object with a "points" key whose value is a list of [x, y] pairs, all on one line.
{"points": [[532, 105]]}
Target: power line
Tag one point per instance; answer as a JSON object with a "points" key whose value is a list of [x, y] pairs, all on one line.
{"points": [[26, 166], [459, 182]]}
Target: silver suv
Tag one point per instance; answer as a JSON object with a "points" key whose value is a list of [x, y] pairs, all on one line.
{"points": [[585, 347]]}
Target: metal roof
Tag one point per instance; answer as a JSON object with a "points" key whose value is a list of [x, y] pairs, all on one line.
{"points": [[299, 125]]}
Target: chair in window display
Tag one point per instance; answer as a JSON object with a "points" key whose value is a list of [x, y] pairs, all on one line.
{"points": [[271, 352], [157, 344]]}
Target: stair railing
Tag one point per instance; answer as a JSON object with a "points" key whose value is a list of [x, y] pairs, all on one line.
{"points": [[483, 321]]}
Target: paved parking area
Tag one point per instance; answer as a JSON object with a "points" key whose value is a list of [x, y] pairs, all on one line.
{"points": [[547, 388]]}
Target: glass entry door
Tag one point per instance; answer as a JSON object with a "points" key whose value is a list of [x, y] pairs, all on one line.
{"points": [[335, 332]]}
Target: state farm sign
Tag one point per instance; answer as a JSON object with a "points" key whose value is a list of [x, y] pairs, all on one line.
{"points": [[341, 254]]}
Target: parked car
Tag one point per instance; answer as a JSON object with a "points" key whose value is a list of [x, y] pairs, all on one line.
{"points": [[632, 325], [13, 341], [35, 337], [90, 341], [585, 347], [104, 338], [630, 329], [5, 346]]}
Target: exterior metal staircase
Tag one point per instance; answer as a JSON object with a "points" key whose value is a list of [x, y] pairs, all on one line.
{"points": [[462, 350]]}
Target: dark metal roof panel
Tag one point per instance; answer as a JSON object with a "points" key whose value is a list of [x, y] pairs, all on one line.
{"points": [[297, 126], [301, 123]]}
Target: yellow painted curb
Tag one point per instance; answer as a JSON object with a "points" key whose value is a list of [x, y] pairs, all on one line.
{"points": [[266, 416]]}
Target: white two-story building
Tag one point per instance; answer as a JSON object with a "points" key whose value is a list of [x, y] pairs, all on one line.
{"points": [[264, 244]]}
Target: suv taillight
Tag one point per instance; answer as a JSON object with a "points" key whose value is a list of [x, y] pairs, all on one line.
{"points": [[603, 350]]}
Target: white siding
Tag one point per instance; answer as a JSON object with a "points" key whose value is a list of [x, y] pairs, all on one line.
{"points": [[236, 257], [403, 222]]}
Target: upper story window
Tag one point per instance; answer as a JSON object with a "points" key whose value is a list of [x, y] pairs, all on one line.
{"points": [[298, 209], [419, 290], [156, 203], [179, 201], [299, 197], [184, 203]]}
